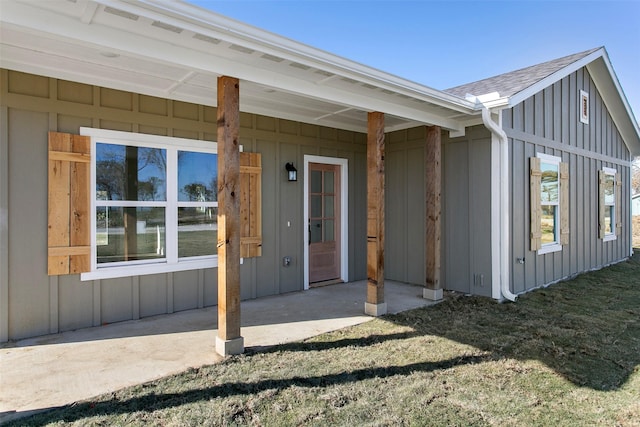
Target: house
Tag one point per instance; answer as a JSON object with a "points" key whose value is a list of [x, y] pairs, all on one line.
{"points": [[157, 157], [635, 205]]}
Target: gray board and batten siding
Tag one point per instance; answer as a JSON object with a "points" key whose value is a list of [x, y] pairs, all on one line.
{"points": [[466, 209], [36, 304], [466, 213], [548, 122]]}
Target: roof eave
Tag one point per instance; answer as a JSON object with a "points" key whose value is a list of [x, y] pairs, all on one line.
{"points": [[24, 15], [296, 51], [517, 98], [608, 85]]}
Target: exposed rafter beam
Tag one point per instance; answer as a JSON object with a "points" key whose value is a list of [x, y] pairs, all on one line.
{"points": [[324, 116]]}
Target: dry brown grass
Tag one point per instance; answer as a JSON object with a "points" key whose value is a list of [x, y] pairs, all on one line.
{"points": [[636, 231], [564, 355]]}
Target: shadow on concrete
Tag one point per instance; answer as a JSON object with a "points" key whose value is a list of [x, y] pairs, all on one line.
{"points": [[587, 330], [339, 301]]}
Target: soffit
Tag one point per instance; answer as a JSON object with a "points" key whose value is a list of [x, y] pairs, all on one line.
{"points": [[175, 50]]}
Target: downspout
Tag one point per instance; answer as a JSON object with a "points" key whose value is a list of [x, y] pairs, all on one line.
{"points": [[498, 132]]}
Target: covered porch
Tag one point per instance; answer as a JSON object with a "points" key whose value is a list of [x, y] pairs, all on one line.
{"points": [[183, 53], [54, 370]]}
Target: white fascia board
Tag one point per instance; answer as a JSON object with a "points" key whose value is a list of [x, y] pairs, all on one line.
{"points": [[246, 107], [473, 121], [36, 21], [610, 90], [402, 126], [608, 85], [552, 78], [491, 100], [327, 122], [208, 23], [194, 18]]}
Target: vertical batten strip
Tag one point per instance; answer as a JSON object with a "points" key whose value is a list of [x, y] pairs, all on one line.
{"points": [[618, 214], [564, 203], [601, 207], [535, 178]]}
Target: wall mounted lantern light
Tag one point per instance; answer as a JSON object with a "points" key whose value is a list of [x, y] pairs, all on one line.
{"points": [[292, 172]]}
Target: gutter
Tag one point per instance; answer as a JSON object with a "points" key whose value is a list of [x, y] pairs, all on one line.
{"points": [[504, 212], [207, 21]]}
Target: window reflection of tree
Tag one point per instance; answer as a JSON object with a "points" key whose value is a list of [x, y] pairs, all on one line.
{"points": [[550, 185], [198, 190], [119, 170]]}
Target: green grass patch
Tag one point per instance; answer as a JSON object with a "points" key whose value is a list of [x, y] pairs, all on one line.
{"points": [[565, 355]]}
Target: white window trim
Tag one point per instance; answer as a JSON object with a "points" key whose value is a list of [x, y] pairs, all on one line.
{"points": [[608, 237], [171, 263], [584, 118], [556, 246]]}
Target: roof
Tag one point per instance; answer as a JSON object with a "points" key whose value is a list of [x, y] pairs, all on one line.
{"points": [[509, 89], [176, 50], [509, 84]]}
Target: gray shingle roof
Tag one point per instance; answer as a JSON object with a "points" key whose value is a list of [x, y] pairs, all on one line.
{"points": [[509, 84]]}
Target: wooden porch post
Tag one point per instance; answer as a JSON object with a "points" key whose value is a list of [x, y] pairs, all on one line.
{"points": [[433, 184], [375, 305], [228, 340]]}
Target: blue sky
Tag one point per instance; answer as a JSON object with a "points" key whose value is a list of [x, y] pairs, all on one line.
{"points": [[443, 44]]}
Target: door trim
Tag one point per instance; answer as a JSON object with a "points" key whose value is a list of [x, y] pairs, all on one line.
{"points": [[344, 213]]}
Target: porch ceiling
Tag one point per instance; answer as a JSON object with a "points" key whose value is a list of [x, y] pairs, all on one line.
{"points": [[175, 50]]}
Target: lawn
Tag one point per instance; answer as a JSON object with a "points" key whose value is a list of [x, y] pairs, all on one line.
{"points": [[565, 355]]}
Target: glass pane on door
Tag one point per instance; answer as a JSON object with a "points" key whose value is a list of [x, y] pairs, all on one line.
{"points": [[329, 234], [316, 206], [328, 182], [316, 181], [328, 207], [315, 231]]}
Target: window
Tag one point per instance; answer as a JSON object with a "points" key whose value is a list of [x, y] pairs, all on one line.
{"points": [[130, 203], [549, 203], [197, 204], [124, 204], [584, 107], [154, 202], [609, 204]]}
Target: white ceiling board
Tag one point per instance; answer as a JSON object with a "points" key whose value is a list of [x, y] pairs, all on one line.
{"points": [[173, 50]]}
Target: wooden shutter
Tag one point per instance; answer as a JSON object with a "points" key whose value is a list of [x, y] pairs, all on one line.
{"points": [[601, 207], [564, 203], [618, 199], [69, 237], [250, 205], [535, 177]]}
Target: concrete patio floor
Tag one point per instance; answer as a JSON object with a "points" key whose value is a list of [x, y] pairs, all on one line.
{"points": [[56, 370]]}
